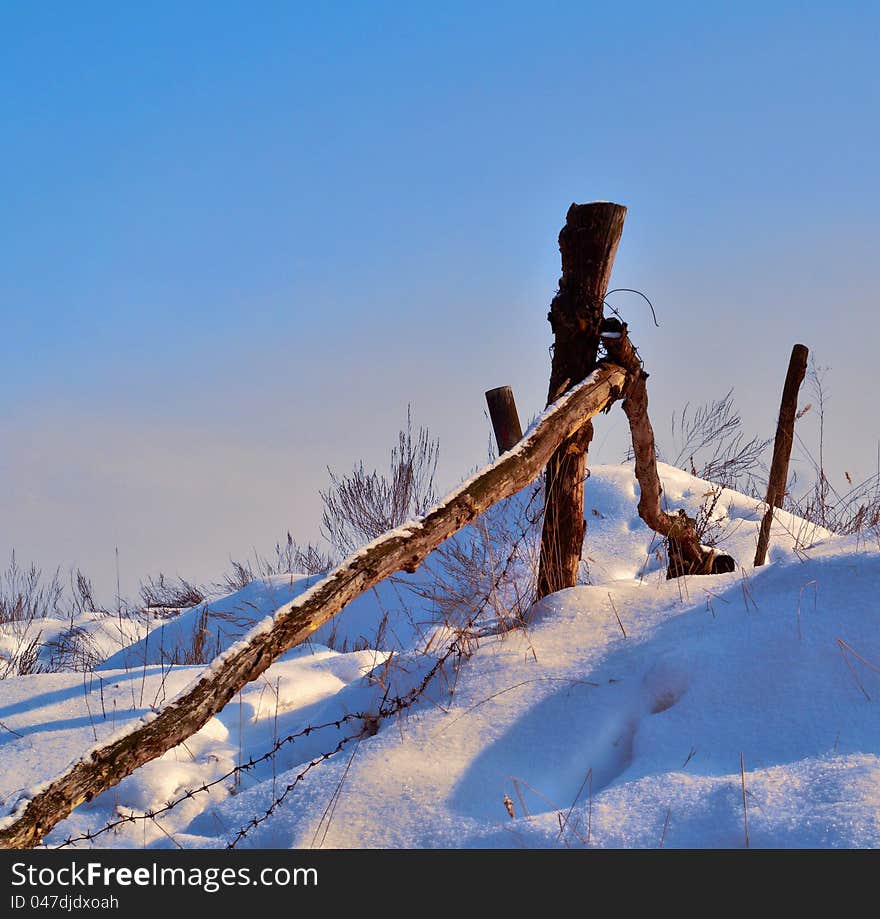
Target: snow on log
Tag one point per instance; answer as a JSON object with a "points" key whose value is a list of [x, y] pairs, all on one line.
{"points": [[400, 549]]}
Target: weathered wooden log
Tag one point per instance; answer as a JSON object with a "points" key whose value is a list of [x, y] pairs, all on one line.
{"points": [[776, 484], [403, 548], [588, 243], [505, 418], [685, 553]]}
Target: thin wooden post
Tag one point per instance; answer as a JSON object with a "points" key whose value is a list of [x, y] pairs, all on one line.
{"points": [[505, 418], [797, 368], [588, 243]]}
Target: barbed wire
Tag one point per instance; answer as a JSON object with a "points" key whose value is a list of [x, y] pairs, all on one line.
{"points": [[461, 647], [190, 793], [389, 707], [630, 290]]}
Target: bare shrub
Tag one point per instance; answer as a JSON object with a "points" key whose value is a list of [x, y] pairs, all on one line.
{"points": [[175, 593], [711, 444], [82, 596], [74, 649], [708, 525], [496, 559], [850, 510], [292, 558], [713, 521], [362, 505], [200, 650], [846, 513], [26, 595], [26, 598], [488, 570], [288, 557], [27, 661], [822, 487], [238, 577]]}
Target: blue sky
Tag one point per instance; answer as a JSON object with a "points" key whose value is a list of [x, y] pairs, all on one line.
{"points": [[237, 239]]}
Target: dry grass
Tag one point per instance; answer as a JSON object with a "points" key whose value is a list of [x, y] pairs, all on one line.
{"points": [[711, 444], [360, 506], [496, 557], [26, 598], [170, 593], [200, 649], [292, 558], [26, 594], [74, 649], [852, 509]]}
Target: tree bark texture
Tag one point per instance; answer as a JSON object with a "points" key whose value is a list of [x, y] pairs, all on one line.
{"points": [[505, 418], [588, 243]]}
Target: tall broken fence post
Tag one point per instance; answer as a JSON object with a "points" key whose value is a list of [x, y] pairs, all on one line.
{"points": [[776, 484], [587, 243]]}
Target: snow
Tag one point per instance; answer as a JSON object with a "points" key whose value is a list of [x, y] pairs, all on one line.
{"points": [[94, 636], [243, 614], [598, 738]]}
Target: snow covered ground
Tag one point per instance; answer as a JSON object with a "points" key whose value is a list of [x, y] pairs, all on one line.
{"points": [[620, 717]]}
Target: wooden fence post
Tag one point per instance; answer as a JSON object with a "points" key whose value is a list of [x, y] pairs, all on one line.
{"points": [[505, 418], [588, 243], [797, 368]]}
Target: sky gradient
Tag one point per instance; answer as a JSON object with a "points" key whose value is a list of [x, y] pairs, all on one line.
{"points": [[236, 240]]}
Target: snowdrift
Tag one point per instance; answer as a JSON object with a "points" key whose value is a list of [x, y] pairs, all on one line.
{"points": [[620, 717]]}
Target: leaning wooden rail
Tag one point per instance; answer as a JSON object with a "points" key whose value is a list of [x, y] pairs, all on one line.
{"points": [[400, 549]]}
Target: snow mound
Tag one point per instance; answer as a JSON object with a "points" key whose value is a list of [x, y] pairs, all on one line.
{"points": [[361, 624], [632, 711]]}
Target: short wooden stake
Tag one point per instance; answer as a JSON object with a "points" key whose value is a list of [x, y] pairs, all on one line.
{"points": [[505, 418], [797, 368]]}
